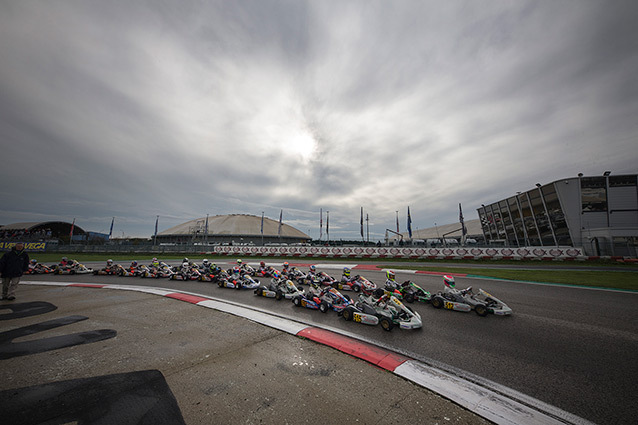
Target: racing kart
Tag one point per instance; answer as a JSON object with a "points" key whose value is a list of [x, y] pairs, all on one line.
{"points": [[358, 284], [190, 274], [333, 299], [238, 282], [296, 275], [466, 300], [113, 270], [73, 268], [412, 292], [39, 269], [389, 310], [310, 298], [279, 289], [156, 272]]}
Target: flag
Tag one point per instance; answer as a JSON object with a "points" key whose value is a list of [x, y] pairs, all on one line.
{"points": [[362, 222], [463, 228], [320, 223], [262, 223], [156, 222], [71, 233], [280, 222], [409, 224], [111, 231]]}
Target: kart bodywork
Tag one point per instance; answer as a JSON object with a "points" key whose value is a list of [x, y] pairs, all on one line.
{"points": [[412, 292], [482, 303], [279, 289], [389, 310]]}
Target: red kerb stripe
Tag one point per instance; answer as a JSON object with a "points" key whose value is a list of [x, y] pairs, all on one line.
{"points": [[370, 353], [185, 297]]}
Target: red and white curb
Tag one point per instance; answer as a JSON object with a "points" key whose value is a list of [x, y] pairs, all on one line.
{"points": [[494, 402]]}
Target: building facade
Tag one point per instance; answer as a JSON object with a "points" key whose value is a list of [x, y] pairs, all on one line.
{"points": [[597, 213]]}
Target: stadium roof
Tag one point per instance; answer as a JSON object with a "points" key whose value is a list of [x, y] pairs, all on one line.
{"points": [[29, 225], [236, 225]]}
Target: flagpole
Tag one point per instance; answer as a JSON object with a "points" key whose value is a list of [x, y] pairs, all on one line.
{"points": [[155, 236], [206, 231], [362, 238], [328, 226], [320, 224], [368, 227], [262, 228]]}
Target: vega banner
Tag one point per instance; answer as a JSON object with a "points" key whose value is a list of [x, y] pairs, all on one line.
{"points": [[28, 246]]}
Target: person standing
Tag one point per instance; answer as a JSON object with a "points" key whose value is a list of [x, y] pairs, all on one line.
{"points": [[12, 265]]}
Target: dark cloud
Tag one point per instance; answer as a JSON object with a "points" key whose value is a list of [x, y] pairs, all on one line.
{"points": [[179, 109]]}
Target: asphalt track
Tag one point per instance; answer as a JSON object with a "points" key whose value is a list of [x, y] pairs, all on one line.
{"points": [[573, 348]]}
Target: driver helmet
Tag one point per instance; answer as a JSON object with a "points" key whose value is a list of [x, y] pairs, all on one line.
{"points": [[185, 260], [286, 265], [390, 274], [133, 263], [448, 281], [109, 262], [239, 261], [64, 259], [154, 259], [34, 261], [275, 274], [346, 271], [313, 268], [235, 269], [205, 262], [262, 264]]}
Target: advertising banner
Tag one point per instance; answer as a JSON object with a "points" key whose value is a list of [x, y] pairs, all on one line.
{"points": [[28, 246]]}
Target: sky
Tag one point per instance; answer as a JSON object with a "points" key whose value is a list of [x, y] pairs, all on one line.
{"points": [[134, 109]]}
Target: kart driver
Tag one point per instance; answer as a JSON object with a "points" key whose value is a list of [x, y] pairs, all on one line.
{"points": [[345, 277], [449, 287], [391, 284]]}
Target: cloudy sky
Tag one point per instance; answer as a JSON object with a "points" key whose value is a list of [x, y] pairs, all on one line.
{"points": [[133, 109]]}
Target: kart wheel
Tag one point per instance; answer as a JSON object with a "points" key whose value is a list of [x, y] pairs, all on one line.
{"points": [[356, 288], [220, 284], [323, 307], [297, 301], [481, 310], [409, 297], [72, 272], [386, 324], [238, 286], [437, 302], [279, 295], [347, 314]]}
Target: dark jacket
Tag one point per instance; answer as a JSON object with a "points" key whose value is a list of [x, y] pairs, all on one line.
{"points": [[14, 263]]}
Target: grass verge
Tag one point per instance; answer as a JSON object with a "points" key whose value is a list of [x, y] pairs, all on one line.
{"points": [[593, 278]]}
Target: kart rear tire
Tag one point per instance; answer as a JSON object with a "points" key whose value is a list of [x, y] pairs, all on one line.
{"points": [[481, 310], [323, 307], [409, 297], [238, 286], [437, 302], [347, 314], [297, 301], [356, 288], [386, 324], [279, 295], [220, 284]]}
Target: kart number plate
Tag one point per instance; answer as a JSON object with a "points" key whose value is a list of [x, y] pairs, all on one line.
{"points": [[449, 305], [356, 317]]}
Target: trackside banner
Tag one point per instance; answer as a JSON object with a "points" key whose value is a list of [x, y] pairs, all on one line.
{"points": [[28, 246]]}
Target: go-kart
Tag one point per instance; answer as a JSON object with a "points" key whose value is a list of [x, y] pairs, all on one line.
{"points": [[412, 292], [358, 284], [112, 270], [310, 298], [465, 300], [332, 299], [211, 275], [72, 267], [296, 275], [279, 289], [190, 274], [156, 272], [389, 310], [238, 282], [39, 268]]}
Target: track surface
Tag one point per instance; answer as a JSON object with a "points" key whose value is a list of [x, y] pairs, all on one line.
{"points": [[576, 349]]}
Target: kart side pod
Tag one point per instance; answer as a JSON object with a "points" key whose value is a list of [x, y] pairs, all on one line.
{"points": [[359, 317]]}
